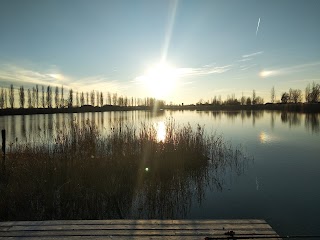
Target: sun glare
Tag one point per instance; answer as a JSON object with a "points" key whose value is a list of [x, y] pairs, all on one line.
{"points": [[160, 79], [161, 131]]}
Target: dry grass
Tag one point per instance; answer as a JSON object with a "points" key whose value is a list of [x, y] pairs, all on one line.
{"points": [[127, 173]]}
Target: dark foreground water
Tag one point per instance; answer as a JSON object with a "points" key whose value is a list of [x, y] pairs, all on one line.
{"points": [[280, 185]]}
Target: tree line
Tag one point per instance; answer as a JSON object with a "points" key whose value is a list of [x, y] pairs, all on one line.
{"points": [[232, 100], [312, 95], [50, 97]]}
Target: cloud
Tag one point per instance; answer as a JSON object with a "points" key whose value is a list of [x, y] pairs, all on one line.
{"points": [[252, 54], [258, 27], [205, 70], [17, 75], [245, 59], [288, 70], [243, 68]]}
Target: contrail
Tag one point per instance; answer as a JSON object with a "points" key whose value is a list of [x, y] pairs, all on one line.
{"points": [[258, 27]]}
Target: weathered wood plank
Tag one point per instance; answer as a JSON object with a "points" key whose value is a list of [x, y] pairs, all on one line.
{"points": [[121, 221], [133, 229], [140, 227], [114, 232], [125, 238]]}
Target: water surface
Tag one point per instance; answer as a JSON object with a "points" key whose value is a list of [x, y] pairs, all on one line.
{"points": [[280, 185]]}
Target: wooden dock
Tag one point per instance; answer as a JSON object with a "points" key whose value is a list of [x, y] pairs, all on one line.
{"points": [[138, 229]]}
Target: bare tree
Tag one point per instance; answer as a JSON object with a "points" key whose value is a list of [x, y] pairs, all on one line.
{"points": [[295, 95], [62, 98], [77, 99], [56, 97], [5, 99], [314, 93], [2, 99], [254, 101], [70, 100], [33, 97], [29, 98], [49, 97], [11, 96], [92, 98], [37, 95], [101, 99], [273, 95], [98, 99], [81, 99], [87, 98], [43, 102], [109, 98], [21, 97], [243, 100], [114, 98]]}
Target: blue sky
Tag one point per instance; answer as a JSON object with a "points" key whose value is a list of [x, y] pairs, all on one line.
{"points": [[212, 47]]}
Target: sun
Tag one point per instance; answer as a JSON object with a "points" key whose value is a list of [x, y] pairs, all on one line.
{"points": [[160, 80]]}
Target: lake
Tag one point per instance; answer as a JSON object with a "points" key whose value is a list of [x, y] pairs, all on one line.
{"points": [[280, 183]]}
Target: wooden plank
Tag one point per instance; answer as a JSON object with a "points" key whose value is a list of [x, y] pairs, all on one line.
{"points": [[140, 226], [124, 238], [134, 229], [115, 232], [121, 221]]}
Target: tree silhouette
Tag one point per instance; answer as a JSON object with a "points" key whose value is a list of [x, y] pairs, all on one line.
{"points": [[101, 99], [77, 99], [49, 97], [248, 102], [313, 93], [1, 98], [70, 100], [92, 98], [29, 98], [295, 95], [11, 96], [21, 97], [33, 97], [62, 98], [82, 99], [56, 97], [37, 95], [273, 94], [254, 100], [43, 102], [285, 97]]}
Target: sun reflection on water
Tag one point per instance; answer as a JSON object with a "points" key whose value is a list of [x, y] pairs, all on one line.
{"points": [[161, 131], [264, 137]]}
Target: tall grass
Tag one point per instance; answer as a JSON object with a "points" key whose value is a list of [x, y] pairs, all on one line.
{"points": [[127, 173]]}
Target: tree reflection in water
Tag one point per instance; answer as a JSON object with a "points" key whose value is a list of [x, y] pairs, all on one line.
{"points": [[130, 173]]}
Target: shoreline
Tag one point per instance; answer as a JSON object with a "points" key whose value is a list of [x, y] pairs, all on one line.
{"points": [[299, 107]]}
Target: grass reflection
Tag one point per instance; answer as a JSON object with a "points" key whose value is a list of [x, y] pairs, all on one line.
{"points": [[127, 174]]}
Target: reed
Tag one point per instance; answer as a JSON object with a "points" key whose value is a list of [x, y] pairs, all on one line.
{"points": [[126, 173]]}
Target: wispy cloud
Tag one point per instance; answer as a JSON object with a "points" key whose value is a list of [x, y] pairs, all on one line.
{"points": [[258, 27], [17, 75], [288, 70], [252, 54], [205, 70], [245, 59], [243, 68]]}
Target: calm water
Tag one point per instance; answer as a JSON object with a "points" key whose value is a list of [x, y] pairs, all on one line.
{"points": [[280, 185]]}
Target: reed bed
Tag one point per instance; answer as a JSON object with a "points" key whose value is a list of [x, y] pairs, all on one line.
{"points": [[127, 173]]}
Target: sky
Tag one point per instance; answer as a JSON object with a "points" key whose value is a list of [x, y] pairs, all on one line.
{"points": [[179, 51]]}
